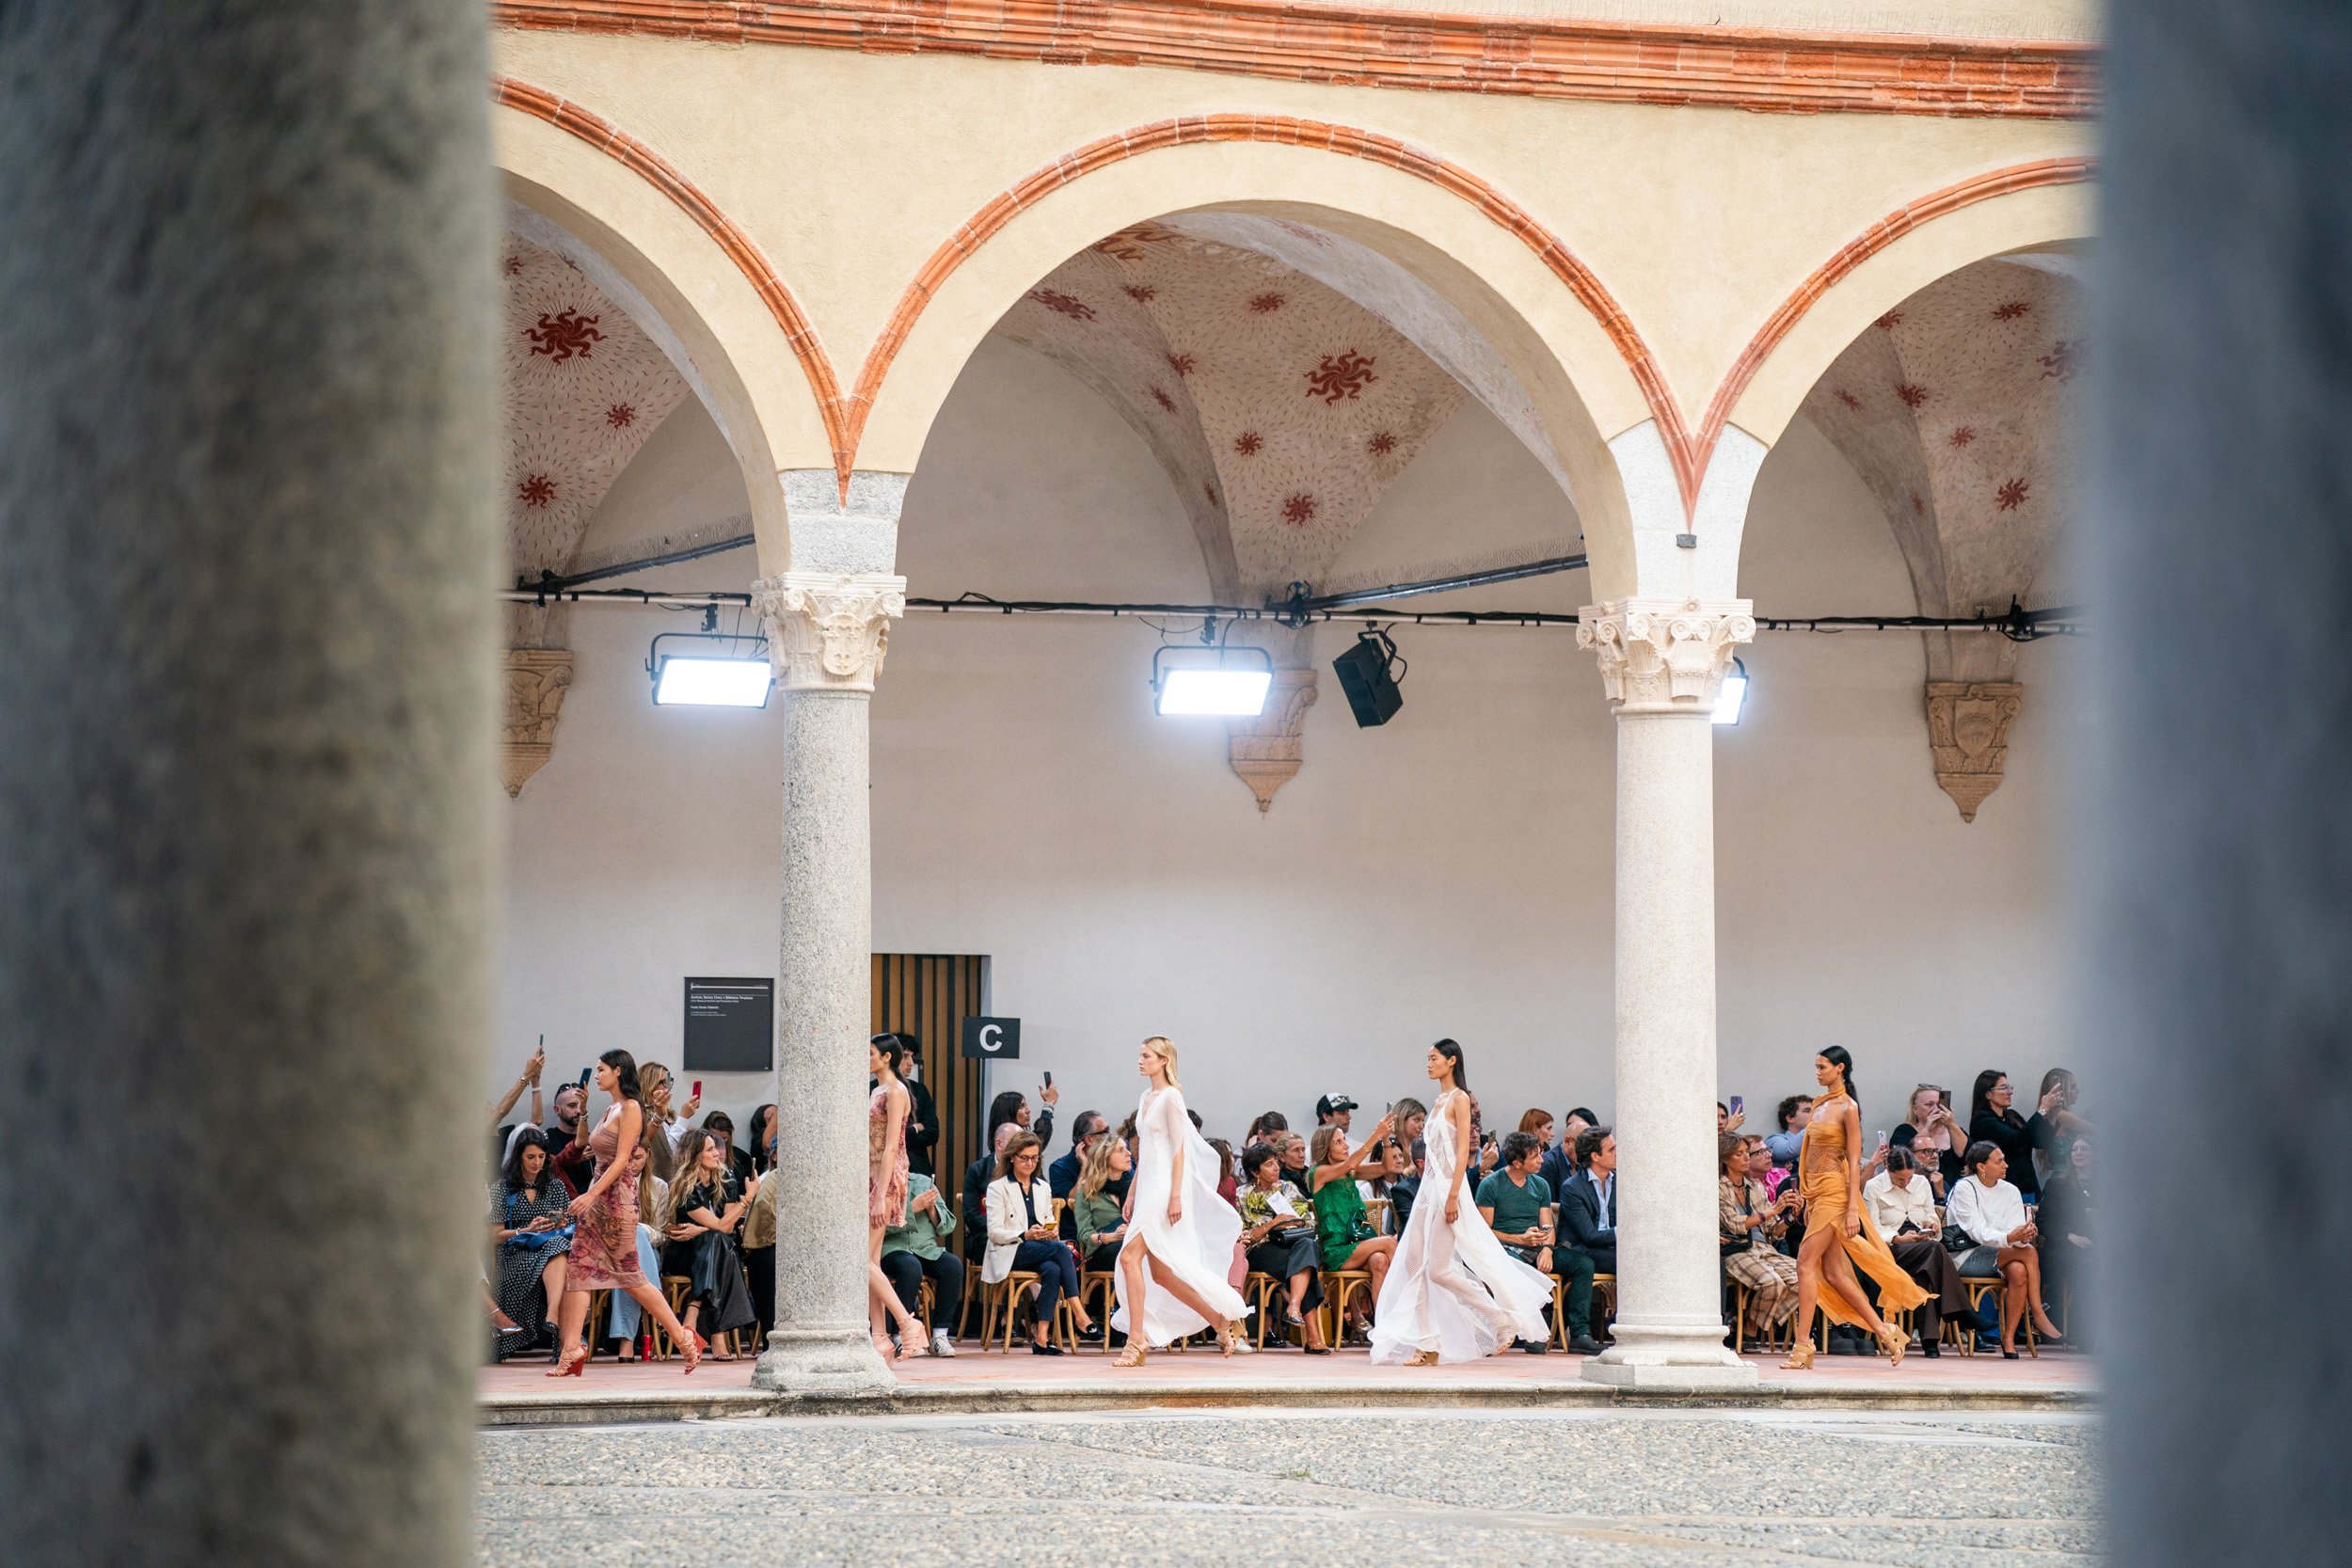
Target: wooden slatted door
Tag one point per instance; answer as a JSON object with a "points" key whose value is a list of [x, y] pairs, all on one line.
{"points": [[928, 996]]}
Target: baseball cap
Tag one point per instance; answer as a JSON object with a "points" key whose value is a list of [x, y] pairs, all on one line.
{"points": [[1332, 1104]]}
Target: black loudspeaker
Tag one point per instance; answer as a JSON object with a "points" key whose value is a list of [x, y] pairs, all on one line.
{"points": [[1364, 676]]}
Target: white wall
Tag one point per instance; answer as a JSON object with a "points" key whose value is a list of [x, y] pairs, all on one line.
{"points": [[1448, 873]]}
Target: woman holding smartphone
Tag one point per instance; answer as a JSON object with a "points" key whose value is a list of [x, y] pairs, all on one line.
{"points": [[604, 1223], [526, 1217]]}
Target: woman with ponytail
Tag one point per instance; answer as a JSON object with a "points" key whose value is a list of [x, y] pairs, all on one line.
{"points": [[1839, 1236]]}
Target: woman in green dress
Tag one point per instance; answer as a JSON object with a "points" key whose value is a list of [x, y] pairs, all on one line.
{"points": [[1348, 1238]]}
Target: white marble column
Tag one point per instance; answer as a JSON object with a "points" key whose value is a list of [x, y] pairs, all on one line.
{"points": [[827, 633], [1661, 662]]}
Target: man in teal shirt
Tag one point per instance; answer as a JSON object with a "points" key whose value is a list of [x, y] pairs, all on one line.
{"points": [[1516, 1203], [912, 1253]]}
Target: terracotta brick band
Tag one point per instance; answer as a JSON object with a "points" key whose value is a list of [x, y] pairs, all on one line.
{"points": [[1767, 69], [616, 143]]}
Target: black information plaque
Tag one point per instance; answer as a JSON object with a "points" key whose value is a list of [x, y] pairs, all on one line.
{"points": [[730, 1025]]}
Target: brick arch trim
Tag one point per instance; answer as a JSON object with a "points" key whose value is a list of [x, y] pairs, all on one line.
{"points": [[741, 248], [1885, 231], [1283, 130]]}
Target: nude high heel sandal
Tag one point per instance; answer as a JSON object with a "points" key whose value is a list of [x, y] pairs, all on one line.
{"points": [[1131, 1357], [1895, 1342], [1230, 1336], [1799, 1356]]}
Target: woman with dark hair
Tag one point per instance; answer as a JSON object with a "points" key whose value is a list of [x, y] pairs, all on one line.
{"points": [[764, 1140], [1992, 1213], [1993, 1119], [604, 1231], [1013, 1106], [1023, 1239], [707, 1198], [887, 1197], [1429, 1308], [1839, 1235], [1279, 1231], [534, 1248], [922, 1112]]}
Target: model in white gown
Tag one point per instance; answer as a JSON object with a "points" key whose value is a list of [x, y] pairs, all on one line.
{"points": [[1165, 1261], [1453, 1290]]}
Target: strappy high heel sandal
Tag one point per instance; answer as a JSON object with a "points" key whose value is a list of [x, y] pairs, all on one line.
{"points": [[1230, 1336], [1131, 1357], [1424, 1358], [1894, 1341], [570, 1366], [1799, 1356]]}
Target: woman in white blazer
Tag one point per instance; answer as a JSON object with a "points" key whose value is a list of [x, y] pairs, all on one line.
{"points": [[1022, 1238]]}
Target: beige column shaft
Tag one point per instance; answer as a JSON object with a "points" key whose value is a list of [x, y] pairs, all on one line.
{"points": [[827, 634], [1661, 664]]}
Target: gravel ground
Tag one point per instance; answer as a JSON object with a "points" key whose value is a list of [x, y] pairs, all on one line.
{"points": [[1282, 1488]]}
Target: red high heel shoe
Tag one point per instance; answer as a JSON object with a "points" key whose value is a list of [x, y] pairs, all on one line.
{"points": [[569, 1368], [692, 1346]]}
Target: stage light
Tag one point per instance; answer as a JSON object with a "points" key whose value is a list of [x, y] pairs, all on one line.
{"points": [[1368, 673], [1211, 690], [1734, 695], [735, 674]]}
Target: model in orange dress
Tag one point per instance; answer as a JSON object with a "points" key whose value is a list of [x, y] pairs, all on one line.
{"points": [[1838, 1235]]}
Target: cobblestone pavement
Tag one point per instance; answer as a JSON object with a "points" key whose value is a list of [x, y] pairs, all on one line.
{"points": [[1289, 1489]]}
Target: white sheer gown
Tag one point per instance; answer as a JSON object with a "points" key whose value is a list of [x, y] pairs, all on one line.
{"points": [[1453, 1289], [1198, 1249]]}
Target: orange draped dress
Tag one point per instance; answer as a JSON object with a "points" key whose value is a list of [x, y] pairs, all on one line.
{"points": [[1822, 1174]]}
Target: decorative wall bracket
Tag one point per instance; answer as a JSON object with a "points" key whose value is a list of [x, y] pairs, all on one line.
{"points": [[536, 679], [829, 631], [1267, 752], [1664, 656], [1968, 732]]}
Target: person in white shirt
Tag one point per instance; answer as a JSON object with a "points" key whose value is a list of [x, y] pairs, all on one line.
{"points": [[1903, 1206], [1993, 1215]]}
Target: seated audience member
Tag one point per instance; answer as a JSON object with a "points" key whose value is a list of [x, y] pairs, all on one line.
{"points": [[2060, 1125], [922, 1110], [977, 1176], [1990, 1211], [721, 1126], [1228, 1180], [1095, 1203], [1013, 1106], [763, 1149], [1923, 1161], [1588, 1210], [1346, 1238], [707, 1202], [1279, 1231], [1409, 1117], [1263, 1129], [1937, 1140], [1559, 1166], [1334, 1110], [654, 1082], [1902, 1205], [1404, 1188], [914, 1252], [1794, 1114], [1022, 1238], [1538, 1125], [566, 1137], [1516, 1203], [2065, 1221], [502, 1132], [1748, 1224], [533, 1239], [759, 1247], [1383, 1184], [1726, 1121], [1292, 1150], [1063, 1173], [1992, 1119]]}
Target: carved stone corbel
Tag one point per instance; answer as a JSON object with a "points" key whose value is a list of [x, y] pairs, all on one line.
{"points": [[536, 679], [829, 631], [1267, 752], [1664, 656], [1968, 733]]}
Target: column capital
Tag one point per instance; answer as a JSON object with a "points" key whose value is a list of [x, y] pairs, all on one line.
{"points": [[827, 631], [1664, 656]]}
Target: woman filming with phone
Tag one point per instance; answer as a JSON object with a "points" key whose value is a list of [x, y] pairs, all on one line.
{"points": [[533, 1244], [604, 1236]]}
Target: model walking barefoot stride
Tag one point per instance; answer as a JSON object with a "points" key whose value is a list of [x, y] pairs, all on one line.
{"points": [[1179, 1233], [1839, 1234], [887, 1197], [604, 1231], [1452, 1293]]}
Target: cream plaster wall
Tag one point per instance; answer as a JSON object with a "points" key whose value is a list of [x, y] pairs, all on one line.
{"points": [[1699, 221], [1448, 873]]}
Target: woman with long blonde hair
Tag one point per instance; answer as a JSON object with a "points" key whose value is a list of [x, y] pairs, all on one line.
{"points": [[1179, 1233]]}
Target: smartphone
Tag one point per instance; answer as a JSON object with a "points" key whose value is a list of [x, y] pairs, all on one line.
{"points": [[1737, 1104], [1049, 1080], [586, 1073], [1882, 1138], [698, 1089]]}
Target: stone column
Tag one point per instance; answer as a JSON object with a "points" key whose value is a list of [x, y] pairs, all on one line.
{"points": [[827, 633], [249, 517], [1661, 663]]}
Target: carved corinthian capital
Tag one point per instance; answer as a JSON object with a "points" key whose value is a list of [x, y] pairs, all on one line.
{"points": [[827, 631], [1664, 656]]}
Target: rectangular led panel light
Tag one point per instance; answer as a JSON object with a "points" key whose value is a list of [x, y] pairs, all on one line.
{"points": [[712, 683], [1226, 693], [1733, 697]]}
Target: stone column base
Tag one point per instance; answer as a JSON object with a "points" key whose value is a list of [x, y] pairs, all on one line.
{"points": [[1669, 1357], [823, 1365]]}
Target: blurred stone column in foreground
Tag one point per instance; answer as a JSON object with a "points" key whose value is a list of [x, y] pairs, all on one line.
{"points": [[248, 543], [2218, 805]]}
